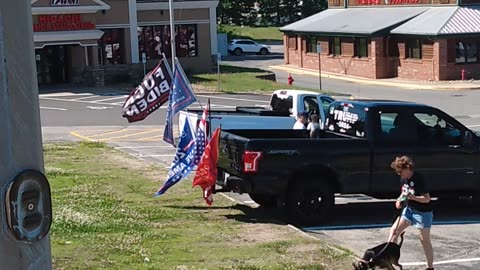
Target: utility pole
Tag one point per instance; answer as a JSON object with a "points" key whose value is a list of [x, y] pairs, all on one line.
{"points": [[25, 209]]}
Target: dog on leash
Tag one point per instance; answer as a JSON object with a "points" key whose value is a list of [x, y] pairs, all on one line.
{"points": [[384, 255]]}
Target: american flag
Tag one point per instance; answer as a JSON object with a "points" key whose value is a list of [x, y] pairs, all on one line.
{"points": [[201, 138]]}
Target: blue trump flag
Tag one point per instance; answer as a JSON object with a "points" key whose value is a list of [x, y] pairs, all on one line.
{"points": [[183, 163], [181, 96]]}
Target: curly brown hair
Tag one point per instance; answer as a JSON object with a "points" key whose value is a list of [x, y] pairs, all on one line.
{"points": [[402, 163]]}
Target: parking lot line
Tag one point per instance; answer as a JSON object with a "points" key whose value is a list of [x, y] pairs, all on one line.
{"points": [[111, 132], [129, 135], [385, 225], [150, 138], [81, 136], [112, 98], [52, 108], [441, 262]]}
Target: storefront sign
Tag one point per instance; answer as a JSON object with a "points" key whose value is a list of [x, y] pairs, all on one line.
{"points": [[67, 22], [56, 3], [388, 2]]}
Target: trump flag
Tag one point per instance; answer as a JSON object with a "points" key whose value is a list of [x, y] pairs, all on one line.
{"points": [[201, 138], [206, 175], [181, 97], [183, 163]]}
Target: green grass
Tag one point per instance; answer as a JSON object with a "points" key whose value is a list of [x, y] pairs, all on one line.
{"points": [[239, 80], [106, 218], [260, 34]]}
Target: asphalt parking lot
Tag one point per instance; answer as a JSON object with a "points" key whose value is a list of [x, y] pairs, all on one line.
{"points": [[359, 221]]}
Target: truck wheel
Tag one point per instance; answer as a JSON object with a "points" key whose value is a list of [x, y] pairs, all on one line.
{"points": [[264, 200], [309, 204]]}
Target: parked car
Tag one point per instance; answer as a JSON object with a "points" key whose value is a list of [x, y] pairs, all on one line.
{"points": [[281, 113], [352, 156], [239, 46]]}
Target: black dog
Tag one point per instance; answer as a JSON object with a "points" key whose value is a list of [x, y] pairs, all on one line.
{"points": [[384, 255]]}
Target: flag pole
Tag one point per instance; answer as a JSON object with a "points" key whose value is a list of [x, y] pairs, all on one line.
{"points": [[209, 120], [172, 34]]}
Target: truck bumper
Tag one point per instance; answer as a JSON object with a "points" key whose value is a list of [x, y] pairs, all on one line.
{"points": [[235, 184], [265, 186]]}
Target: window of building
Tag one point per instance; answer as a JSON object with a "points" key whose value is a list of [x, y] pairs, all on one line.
{"points": [[361, 47], [292, 42], [155, 40], [414, 49], [466, 52], [335, 46], [111, 47], [311, 44]]}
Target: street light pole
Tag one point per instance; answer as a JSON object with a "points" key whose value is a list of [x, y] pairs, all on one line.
{"points": [[319, 51], [20, 142]]}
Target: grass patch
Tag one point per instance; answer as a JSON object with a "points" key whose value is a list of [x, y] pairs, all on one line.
{"points": [[239, 80], [106, 218], [260, 34]]}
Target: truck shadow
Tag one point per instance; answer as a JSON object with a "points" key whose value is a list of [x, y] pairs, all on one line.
{"points": [[360, 215]]}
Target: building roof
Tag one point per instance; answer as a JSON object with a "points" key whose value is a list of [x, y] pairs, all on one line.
{"points": [[439, 21], [363, 21]]}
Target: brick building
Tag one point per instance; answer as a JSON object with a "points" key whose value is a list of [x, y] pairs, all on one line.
{"points": [[408, 39], [77, 37]]}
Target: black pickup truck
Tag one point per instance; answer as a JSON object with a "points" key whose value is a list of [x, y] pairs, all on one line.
{"points": [[353, 155]]}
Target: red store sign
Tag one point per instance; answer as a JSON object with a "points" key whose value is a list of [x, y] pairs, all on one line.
{"points": [[67, 22], [389, 2]]}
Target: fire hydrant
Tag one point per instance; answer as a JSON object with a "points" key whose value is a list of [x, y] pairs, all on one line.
{"points": [[290, 79], [463, 74]]}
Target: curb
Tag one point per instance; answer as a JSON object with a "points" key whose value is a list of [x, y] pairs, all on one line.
{"points": [[373, 82]]}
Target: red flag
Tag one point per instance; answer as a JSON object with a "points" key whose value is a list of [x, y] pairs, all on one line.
{"points": [[206, 175]]}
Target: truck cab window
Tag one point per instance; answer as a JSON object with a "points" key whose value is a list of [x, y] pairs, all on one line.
{"points": [[311, 105], [346, 118], [435, 130], [399, 127], [281, 104]]}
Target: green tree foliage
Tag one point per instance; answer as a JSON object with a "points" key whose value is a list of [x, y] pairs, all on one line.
{"points": [[272, 12], [237, 12]]}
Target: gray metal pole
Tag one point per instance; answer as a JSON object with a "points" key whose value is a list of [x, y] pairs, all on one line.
{"points": [[172, 33], [20, 136]]}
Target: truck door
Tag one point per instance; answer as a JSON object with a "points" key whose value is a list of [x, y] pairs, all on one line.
{"points": [[394, 137], [433, 140], [447, 160]]}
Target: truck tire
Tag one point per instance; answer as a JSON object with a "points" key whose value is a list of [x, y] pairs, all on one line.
{"points": [[310, 203], [264, 200]]}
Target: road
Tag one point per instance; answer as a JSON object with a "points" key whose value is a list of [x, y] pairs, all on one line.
{"points": [[85, 115]]}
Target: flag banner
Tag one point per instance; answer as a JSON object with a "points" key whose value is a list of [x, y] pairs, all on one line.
{"points": [[183, 162], [181, 97], [206, 175], [152, 93], [201, 137]]}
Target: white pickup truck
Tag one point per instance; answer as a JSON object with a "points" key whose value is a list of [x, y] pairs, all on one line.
{"points": [[281, 113]]}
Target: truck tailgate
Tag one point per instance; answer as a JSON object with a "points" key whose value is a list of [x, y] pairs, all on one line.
{"points": [[231, 157]]}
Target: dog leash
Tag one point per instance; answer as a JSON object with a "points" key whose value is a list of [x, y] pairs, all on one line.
{"points": [[398, 217]]}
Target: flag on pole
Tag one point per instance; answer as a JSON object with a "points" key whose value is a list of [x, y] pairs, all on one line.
{"points": [[152, 93], [181, 97], [201, 138], [206, 175], [183, 162]]}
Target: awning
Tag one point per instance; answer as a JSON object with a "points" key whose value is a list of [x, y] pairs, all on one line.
{"points": [[67, 36], [360, 21], [438, 21]]}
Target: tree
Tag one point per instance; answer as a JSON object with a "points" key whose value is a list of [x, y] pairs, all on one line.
{"points": [[310, 7], [237, 12]]}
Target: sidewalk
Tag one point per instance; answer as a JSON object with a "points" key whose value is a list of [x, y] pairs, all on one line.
{"points": [[394, 82]]}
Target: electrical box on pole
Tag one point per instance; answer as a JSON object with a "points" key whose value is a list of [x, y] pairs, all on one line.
{"points": [[25, 203]]}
